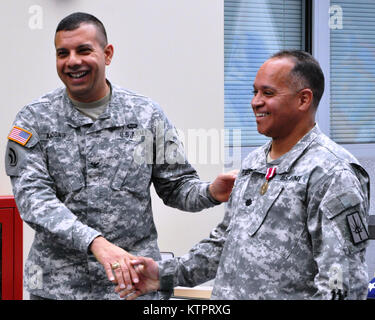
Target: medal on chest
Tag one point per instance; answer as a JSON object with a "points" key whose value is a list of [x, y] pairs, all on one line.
{"points": [[269, 175]]}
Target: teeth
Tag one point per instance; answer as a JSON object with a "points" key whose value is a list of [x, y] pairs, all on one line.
{"points": [[78, 75], [262, 114]]}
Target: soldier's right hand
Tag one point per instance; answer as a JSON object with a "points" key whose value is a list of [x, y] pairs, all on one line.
{"points": [[116, 262], [221, 188]]}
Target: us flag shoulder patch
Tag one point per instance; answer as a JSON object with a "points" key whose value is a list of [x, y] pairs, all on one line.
{"points": [[19, 135]]}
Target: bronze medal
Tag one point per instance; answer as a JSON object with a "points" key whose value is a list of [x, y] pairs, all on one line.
{"points": [[264, 188]]}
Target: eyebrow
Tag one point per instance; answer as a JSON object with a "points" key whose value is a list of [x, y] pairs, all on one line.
{"points": [[81, 46], [265, 87], [84, 46]]}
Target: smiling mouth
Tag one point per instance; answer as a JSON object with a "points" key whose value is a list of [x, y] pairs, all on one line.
{"points": [[262, 115], [77, 75]]}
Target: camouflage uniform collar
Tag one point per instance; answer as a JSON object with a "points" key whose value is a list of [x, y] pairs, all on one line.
{"points": [[74, 118], [111, 118], [258, 161]]}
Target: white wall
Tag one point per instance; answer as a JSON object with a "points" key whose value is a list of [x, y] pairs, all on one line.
{"points": [[170, 50]]}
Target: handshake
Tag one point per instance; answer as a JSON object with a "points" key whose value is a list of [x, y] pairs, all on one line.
{"points": [[147, 279], [136, 276]]}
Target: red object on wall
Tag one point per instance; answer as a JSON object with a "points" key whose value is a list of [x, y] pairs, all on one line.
{"points": [[11, 250]]}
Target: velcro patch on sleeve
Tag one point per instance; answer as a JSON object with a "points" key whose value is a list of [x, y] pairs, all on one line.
{"points": [[357, 228], [19, 135]]}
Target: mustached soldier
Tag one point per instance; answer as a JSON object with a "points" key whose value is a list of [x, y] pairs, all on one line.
{"points": [[296, 222], [72, 157]]}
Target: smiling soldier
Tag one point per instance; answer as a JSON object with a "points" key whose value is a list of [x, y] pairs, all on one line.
{"points": [[71, 162], [296, 222]]}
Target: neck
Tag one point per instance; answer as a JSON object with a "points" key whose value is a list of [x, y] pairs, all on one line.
{"points": [[280, 146], [100, 94]]}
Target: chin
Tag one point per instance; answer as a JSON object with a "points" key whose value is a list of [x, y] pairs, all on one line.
{"points": [[262, 131], [77, 95], [266, 134]]}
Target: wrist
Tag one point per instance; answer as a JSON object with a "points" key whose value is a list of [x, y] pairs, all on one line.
{"points": [[95, 242], [211, 195], [166, 287], [167, 272]]}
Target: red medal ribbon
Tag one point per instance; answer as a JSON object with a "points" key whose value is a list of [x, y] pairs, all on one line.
{"points": [[270, 173]]}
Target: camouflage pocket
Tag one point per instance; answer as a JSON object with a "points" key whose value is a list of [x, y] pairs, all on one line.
{"points": [[130, 175], [64, 163], [261, 207], [273, 222]]}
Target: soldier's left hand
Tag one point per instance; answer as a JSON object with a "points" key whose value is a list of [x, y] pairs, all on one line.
{"points": [[116, 262], [221, 188]]}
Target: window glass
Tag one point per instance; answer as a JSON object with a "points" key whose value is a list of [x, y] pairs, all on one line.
{"points": [[253, 31], [352, 41]]}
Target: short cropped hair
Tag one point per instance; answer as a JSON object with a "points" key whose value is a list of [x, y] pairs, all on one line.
{"points": [[74, 20], [306, 72]]}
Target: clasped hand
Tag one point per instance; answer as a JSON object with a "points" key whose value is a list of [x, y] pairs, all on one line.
{"points": [[148, 279], [116, 262], [136, 276]]}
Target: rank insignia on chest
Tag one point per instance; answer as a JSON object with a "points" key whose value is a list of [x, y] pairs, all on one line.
{"points": [[269, 175], [19, 135]]}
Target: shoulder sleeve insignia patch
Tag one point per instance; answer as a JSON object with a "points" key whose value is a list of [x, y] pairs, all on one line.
{"points": [[357, 228], [19, 135]]}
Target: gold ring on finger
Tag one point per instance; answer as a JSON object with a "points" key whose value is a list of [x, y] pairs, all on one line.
{"points": [[115, 265]]}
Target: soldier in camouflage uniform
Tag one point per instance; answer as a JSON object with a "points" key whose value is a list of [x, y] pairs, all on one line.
{"points": [[296, 222], [81, 161]]}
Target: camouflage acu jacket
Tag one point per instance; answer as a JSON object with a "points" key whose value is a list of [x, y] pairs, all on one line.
{"points": [[304, 238], [76, 178]]}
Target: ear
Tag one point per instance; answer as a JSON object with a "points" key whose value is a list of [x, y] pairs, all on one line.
{"points": [[305, 99], [108, 52]]}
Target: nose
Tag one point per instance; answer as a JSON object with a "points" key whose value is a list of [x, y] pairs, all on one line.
{"points": [[73, 61], [257, 100]]}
